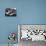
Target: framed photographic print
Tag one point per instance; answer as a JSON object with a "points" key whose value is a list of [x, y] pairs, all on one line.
{"points": [[10, 12], [32, 32]]}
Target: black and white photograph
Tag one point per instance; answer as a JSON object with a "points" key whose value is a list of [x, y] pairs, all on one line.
{"points": [[30, 34], [10, 12]]}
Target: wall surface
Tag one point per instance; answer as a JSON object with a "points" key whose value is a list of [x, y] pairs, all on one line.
{"points": [[28, 12]]}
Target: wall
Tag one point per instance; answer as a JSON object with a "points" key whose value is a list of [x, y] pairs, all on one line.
{"points": [[28, 12]]}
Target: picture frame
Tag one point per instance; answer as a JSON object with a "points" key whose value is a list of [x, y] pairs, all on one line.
{"points": [[10, 12]]}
